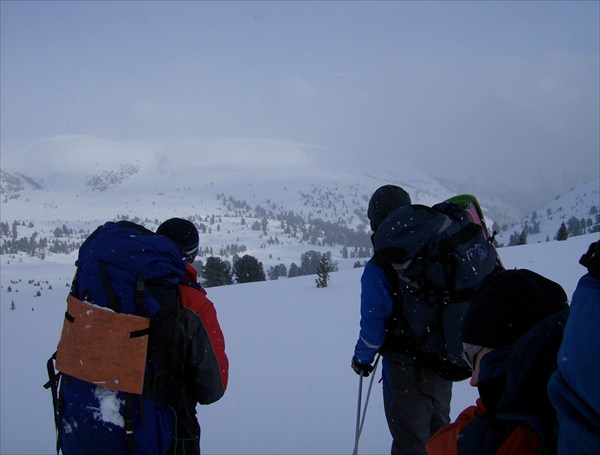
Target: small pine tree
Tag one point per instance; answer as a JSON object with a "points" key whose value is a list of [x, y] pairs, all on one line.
{"points": [[323, 273], [345, 252], [272, 273], [523, 237], [12, 305], [563, 233], [294, 270]]}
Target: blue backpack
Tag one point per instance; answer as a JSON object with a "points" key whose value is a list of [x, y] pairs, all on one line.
{"points": [[437, 257], [116, 368]]}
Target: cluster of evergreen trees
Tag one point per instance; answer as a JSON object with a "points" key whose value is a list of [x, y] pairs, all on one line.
{"points": [[571, 228], [574, 227], [34, 245], [315, 231], [217, 272], [110, 179]]}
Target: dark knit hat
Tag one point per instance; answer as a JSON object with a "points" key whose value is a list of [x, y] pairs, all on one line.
{"points": [[384, 200], [507, 305], [182, 232]]}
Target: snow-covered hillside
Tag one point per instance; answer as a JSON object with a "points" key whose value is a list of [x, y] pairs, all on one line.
{"points": [[291, 388], [270, 199], [66, 176], [579, 209], [277, 195]]}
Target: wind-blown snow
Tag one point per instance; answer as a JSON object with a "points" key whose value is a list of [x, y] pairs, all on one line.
{"points": [[291, 388]]}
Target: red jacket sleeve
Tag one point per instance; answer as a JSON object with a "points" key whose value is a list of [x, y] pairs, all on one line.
{"points": [[207, 361], [522, 439], [444, 442]]}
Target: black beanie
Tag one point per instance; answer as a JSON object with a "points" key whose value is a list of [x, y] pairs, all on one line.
{"points": [[507, 305], [182, 232], [385, 199]]}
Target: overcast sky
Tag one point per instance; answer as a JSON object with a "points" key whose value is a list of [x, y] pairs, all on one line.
{"points": [[438, 85]]}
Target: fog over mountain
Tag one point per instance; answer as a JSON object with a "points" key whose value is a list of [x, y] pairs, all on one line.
{"points": [[85, 167], [262, 198], [498, 97]]}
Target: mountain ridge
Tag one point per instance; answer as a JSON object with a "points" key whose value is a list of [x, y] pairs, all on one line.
{"points": [[79, 164], [261, 196]]}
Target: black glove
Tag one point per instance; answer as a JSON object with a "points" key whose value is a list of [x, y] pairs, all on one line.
{"points": [[591, 260], [363, 369]]}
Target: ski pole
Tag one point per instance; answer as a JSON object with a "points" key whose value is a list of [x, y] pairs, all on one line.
{"points": [[360, 420], [357, 432]]}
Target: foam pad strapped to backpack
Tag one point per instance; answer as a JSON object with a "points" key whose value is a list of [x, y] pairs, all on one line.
{"points": [[102, 347]]}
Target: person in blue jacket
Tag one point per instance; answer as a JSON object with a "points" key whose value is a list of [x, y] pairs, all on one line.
{"points": [[416, 398], [574, 388]]}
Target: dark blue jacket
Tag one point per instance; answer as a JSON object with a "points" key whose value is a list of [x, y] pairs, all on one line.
{"points": [[574, 388]]}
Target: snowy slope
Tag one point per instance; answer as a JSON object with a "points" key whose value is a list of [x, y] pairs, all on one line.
{"points": [[291, 388], [582, 203], [74, 173], [227, 185]]}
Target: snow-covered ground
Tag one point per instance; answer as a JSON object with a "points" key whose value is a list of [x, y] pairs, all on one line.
{"points": [[291, 388]]}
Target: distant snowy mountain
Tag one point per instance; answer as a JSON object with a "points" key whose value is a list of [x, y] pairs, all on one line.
{"points": [[579, 209], [260, 196], [95, 177]]}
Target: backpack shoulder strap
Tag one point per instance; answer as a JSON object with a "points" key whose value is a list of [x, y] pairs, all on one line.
{"points": [[52, 384]]}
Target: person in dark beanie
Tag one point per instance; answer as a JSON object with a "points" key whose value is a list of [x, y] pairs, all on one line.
{"points": [[511, 333], [574, 387], [200, 363], [385, 199], [184, 233], [416, 398]]}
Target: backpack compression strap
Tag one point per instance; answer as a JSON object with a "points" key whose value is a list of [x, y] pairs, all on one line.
{"points": [[113, 302], [52, 384]]}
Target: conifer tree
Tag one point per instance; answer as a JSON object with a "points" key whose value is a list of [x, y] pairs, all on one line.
{"points": [[523, 237], [562, 233], [216, 273], [294, 270], [248, 269], [323, 273]]}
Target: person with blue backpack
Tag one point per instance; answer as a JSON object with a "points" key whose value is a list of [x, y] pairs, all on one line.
{"points": [[573, 388], [141, 345], [410, 310]]}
